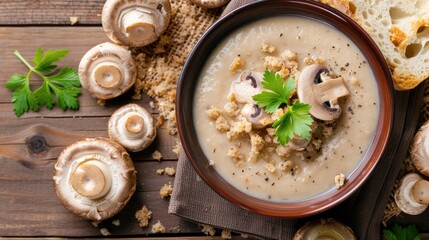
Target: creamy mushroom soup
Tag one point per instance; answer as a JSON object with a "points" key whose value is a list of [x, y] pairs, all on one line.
{"points": [[249, 156]]}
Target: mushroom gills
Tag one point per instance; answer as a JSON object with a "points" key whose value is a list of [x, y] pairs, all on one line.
{"points": [[246, 86], [91, 179], [256, 115]]}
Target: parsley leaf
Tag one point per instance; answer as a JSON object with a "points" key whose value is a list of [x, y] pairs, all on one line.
{"points": [[279, 91], [65, 84], [296, 120], [402, 233]]}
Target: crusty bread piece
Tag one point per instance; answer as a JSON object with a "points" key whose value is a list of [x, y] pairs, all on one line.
{"points": [[400, 28]]}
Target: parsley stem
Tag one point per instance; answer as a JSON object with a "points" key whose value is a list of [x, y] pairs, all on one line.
{"points": [[16, 52]]}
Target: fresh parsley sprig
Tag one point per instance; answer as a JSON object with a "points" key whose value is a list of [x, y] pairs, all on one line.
{"points": [[296, 120], [402, 233], [65, 84]]}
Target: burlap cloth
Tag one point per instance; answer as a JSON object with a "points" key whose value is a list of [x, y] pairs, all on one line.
{"points": [[192, 199]]}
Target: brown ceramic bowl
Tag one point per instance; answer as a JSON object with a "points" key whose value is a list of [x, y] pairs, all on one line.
{"points": [[190, 76]]}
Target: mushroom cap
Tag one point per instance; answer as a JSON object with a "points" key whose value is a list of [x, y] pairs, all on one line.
{"points": [[94, 178], [210, 3], [324, 229], [133, 127], [248, 84], [147, 18], [107, 70], [404, 197], [419, 150], [319, 90]]}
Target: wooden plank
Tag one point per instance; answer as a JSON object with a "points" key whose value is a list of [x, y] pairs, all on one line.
{"points": [[30, 207], [55, 12], [28, 203]]}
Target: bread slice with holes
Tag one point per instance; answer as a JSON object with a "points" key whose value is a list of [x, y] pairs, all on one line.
{"points": [[400, 28]]}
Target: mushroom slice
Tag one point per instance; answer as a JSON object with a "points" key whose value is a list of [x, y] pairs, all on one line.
{"points": [[324, 229], [133, 127], [256, 115], [411, 197], [210, 3], [246, 86], [94, 178], [419, 150], [135, 23], [107, 70], [318, 89]]}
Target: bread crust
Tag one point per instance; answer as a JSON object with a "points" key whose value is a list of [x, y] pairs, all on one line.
{"points": [[399, 35]]}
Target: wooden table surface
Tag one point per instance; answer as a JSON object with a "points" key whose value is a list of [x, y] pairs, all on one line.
{"points": [[29, 145]]}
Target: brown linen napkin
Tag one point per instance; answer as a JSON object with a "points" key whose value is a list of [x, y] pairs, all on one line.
{"points": [[194, 200]]}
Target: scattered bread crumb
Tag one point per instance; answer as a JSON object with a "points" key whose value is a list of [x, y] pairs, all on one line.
{"points": [[170, 171], [158, 228], [271, 167], [105, 232], [207, 229], [143, 216], [268, 48], [116, 222], [160, 171], [95, 223], [354, 81], [236, 65], [74, 20], [339, 180], [244, 235], [101, 102], [213, 112], [226, 234], [152, 104], [177, 147], [222, 124], [166, 190], [157, 155]]}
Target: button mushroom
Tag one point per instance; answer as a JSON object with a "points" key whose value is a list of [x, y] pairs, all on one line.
{"points": [[419, 150], [135, 23], [324, 229], [94, 178], [107, 70], [412, 197], [133, 127], [210, 3], [243, 89], [317, 88]]}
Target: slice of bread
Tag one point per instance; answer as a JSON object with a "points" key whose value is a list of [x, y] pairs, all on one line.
{"points": [[400, 28]]}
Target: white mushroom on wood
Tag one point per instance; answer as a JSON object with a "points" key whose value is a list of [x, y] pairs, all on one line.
{"points": [[317, 88], [210, 3], [243, 89], [107, 70], [94, 178], [135, 23], [419, 150], [324, 229], [412, 196], [133, 127]]}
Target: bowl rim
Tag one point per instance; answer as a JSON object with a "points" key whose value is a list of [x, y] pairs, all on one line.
{"points": [[313, 10]]}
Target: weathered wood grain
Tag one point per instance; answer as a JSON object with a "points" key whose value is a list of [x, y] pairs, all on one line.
{"points": [[30, 145], [55, 12]]}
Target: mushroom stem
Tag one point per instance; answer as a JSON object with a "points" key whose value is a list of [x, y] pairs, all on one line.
{"points": [[91, 179], [134, 124], [420, 191], [107, 75], [138, 24]]}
